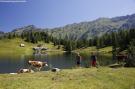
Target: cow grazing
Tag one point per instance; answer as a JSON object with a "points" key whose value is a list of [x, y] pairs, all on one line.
{"points": [[25, 71], [37, 64]]}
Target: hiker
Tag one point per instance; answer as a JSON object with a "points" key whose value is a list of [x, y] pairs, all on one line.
{"points": [[93, 60], [78, 59]]}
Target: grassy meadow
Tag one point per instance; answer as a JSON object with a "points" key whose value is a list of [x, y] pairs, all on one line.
{"points": [[12, 47], [80, 78], [106, 51]]}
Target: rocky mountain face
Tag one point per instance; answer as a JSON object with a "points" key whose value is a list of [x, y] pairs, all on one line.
{"points": [[86, 30]]}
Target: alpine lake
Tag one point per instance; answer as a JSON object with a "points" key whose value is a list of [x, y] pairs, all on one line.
{"points": [[11, 63]]}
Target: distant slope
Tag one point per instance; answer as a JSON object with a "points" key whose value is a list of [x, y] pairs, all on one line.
{"points": [[86, 30], [1, 33], [28, 28]]}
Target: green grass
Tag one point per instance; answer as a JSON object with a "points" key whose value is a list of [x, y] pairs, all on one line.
{"points": [[81, 78], [12, 47], [106, 51]]}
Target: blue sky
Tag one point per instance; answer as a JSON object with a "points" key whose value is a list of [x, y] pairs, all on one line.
{"points": [[55, 13]]}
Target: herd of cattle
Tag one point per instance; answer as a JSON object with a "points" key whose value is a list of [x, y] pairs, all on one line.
{"points": [[37, 65]]}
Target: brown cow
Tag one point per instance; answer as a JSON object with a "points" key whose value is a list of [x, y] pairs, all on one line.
{"points": [[37, 64]]}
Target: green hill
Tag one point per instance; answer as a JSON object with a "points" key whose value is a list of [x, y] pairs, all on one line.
{"points": [[12, 47]]}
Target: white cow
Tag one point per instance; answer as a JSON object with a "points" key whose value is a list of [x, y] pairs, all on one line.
{"points": [[25, 71]]}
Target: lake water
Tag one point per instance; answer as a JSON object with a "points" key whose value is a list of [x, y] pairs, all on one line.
{"points": [[62, 61]]}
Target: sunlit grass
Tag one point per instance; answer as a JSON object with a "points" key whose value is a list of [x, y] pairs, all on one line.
{"points": [[80, 78], [12, 47], [106, 51]]}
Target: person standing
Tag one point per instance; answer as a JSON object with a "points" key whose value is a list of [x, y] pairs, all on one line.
{"points": [[93, 60], [78, 60]]}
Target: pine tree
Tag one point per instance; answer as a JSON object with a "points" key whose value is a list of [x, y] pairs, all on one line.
{"points": [[114, 45], [130, 62]]}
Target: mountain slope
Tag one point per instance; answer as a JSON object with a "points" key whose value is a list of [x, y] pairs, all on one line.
{"points": [[1, 33], [86, 30]]}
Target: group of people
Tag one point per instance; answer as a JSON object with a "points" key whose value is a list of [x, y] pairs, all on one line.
{"points": [[93, 60]]}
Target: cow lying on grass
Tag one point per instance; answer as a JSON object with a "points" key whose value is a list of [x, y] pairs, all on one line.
{"points": [[25, 71], [55, 70], [37, 64]]}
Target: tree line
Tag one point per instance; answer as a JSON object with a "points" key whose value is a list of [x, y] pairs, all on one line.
{"points": [[120, 40]]}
